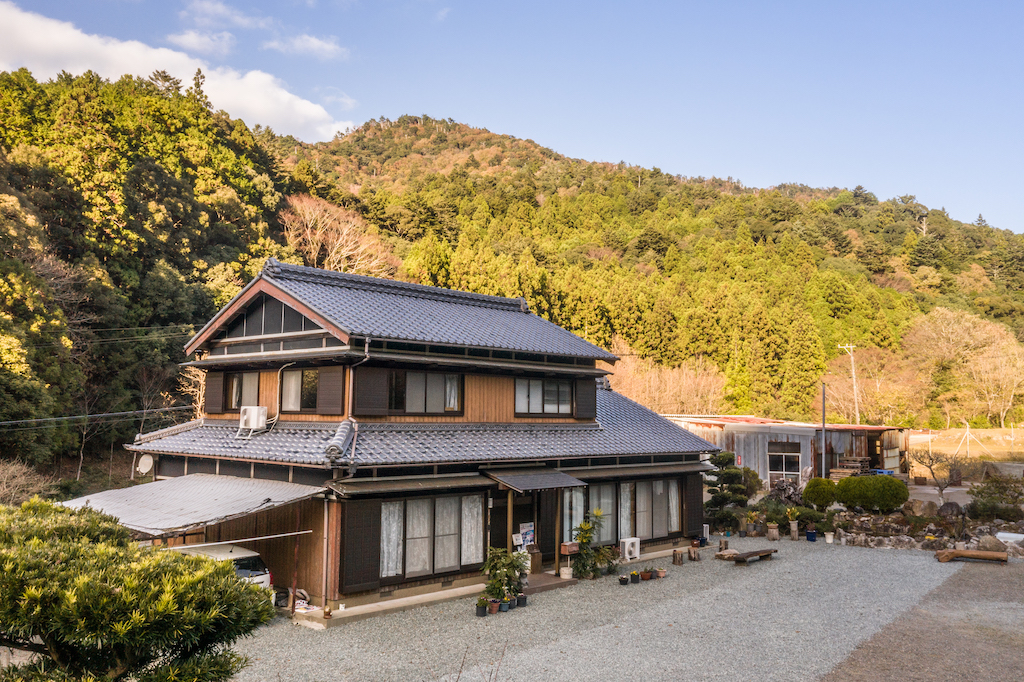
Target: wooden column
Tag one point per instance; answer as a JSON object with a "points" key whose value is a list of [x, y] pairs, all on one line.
{"points": [[511, 547], [558, 527]]}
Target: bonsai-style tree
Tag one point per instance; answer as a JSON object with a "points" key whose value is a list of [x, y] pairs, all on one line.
{"points": [[820, 492], [76, 590], [726, 488], [944, 467]]}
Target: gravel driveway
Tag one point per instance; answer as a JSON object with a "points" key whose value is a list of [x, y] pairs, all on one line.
{"points": [[793, 618]]}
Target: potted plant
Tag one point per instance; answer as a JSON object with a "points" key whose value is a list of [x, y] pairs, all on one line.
{"points": [[794, 530], [520, 599], [661, 572], [492, 605], [645, 574], [751, 522], [623, 579], [812, 534], [503, 605], [634, 576], [481, 606]]}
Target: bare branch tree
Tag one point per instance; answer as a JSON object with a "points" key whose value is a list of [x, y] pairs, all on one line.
{"points": [[19, 482], [335, 238], [695, 387], [945, 468], [192, 383]]}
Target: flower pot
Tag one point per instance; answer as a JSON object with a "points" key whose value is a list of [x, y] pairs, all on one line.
{"points": [[634, 578], [512, 603], [623, 579], [743, 534], [654, 574], [661, 572], [492, 607], [645, 575], [481, 611], [794, 530], [829, 537], [503, 606], [812, 536], [703, 541], [521, 600]]}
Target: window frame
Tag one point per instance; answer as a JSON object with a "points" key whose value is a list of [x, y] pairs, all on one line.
{"points": [[391, 382], [570, 384], [316, 392], [403, 577], [226, 406]]}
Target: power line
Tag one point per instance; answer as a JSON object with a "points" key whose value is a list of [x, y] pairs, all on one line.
{"points": [[54, 420]]}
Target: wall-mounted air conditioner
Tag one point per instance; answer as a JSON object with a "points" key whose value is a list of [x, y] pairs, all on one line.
{"points": [[251, 419]]}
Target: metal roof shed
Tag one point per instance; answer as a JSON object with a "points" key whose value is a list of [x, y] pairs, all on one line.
{"points": [[176, 505]]}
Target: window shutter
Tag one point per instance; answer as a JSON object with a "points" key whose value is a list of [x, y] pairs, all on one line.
{"points": [[586, 398], [360, 541], [693, 504], [214, 393], [371, 391], [330, 391]]}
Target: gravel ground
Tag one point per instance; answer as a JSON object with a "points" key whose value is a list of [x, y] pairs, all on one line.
{"points": [[969, 628], [793, 618]]}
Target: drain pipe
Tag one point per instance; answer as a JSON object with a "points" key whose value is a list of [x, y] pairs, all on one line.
{"points": [[280, 394]]}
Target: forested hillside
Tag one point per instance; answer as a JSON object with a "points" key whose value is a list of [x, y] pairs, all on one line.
{"points": [[130, 211]]}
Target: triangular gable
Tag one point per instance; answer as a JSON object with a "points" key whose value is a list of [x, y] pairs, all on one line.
{"points": [[239, 318]]}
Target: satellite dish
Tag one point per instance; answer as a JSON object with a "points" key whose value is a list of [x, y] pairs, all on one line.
{"points": [[145, 464]]}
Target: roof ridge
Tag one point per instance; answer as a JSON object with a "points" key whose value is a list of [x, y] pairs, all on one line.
{"points": [[168, 431], [412, 427], [277, 270]]}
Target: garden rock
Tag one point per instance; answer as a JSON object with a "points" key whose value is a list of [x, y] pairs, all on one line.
{"points": [[950, 509], [787, 492], [904, 542], [929, 508], [725, 554], [913, 507], [991, 543], [933, 545]]}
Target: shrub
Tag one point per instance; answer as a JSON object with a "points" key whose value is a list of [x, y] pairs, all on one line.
{"points": [[725, 519], [883, 493], [808, 515], [983, 510], [820, 492], [751, 481], [1000, 489]]}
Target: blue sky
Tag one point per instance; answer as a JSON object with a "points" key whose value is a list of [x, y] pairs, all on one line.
{"points": [[904, 98]]}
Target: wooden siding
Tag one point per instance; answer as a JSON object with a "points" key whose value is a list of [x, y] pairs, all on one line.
{"points": [[279, 553], [487, 399]]}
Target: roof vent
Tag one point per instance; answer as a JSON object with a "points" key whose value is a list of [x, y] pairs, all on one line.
{"points": [[524, 307], [250, 420]]}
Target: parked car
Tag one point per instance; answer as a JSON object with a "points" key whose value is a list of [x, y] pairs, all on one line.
{"points": [[248, 564]]}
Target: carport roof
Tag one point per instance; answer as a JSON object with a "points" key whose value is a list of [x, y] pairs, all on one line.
{"points": [[177, 505]]}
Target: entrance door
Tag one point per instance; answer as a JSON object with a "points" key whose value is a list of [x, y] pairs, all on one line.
{"points": [[547, 534]]}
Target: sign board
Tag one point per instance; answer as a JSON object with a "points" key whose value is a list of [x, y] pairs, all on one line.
{"points": [[739, 460], [526, 530], [517, 539]]}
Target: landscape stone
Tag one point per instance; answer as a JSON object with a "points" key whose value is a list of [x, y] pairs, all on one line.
{"points": [[929, 508], [950, 509], [991, 543]]}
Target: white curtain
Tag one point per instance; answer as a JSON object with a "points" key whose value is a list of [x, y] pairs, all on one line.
{"points": [[659, 509], [451, 392], [291, 391], [603, 497], [472, 529], [391, 525], [573, 501], [674, 521], [446, 534], [419, 524], [643, 510], [626, 510]]}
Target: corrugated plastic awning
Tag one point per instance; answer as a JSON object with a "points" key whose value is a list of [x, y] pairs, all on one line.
{"points": [[634, 471], [523, 480], [371, 487], [176, 505]]}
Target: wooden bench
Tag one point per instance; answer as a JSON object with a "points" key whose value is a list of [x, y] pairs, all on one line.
{"points": [[761, 554]]}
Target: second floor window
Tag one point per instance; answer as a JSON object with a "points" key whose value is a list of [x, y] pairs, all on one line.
{"points": [[424, 392], [299, 390], [543, 396], [242, 389]]}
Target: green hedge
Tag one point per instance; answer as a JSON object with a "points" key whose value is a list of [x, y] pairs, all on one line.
{"points": [[821, 492], [882, 493]]}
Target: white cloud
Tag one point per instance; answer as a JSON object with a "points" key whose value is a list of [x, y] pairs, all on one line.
{"points": [[336, 97], [442, 13], [213, 13], [321, 48], [47, 46], [217, 44]]}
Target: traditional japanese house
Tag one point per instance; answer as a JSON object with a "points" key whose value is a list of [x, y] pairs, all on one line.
{"points": [[401, 430]]}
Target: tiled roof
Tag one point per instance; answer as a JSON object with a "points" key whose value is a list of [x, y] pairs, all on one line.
{"points": [[623, 428], [390, 310]]}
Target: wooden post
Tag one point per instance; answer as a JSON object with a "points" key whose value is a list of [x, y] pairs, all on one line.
{"points": [[558, 529], [295, 565], [511, 547]]}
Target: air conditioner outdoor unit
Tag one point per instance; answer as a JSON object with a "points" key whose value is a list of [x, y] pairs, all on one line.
{"points": [[254, 418]]}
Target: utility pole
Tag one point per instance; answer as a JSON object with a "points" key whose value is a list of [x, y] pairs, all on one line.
{"points": [[823, 429], [853, 369]]}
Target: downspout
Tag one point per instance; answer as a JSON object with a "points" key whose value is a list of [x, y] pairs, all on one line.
{"points": [[280, 394]]}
